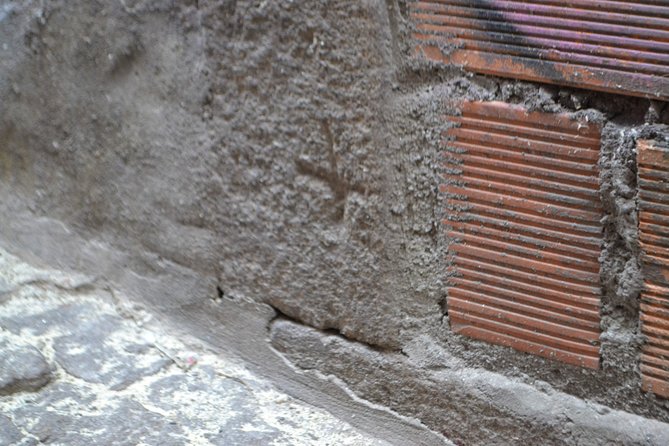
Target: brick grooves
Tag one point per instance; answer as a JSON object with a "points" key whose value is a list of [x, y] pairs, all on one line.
{"points": [[525, 219], [653, 180], [621, 47]]}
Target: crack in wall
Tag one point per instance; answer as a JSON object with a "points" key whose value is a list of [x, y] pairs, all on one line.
{"points": [[280, 315]]}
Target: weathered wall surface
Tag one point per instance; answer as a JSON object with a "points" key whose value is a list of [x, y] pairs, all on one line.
{"points": [[222, 158]]}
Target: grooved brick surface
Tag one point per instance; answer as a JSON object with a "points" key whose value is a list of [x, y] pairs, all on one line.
{"points": [[620, 47], [653, 183], [524, 219]]}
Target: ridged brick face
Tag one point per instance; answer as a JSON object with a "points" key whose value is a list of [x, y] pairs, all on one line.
{"points": [[524, 219], [653, 183], [613, 46]]}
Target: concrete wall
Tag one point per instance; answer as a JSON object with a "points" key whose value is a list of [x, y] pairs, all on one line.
{"points": [[265, 174]]}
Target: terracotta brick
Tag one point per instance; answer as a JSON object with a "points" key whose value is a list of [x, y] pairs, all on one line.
{"points": [[620, 47], [524, 218], [653, 180]]}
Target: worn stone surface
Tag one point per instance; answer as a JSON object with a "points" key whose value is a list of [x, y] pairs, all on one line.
{"points": [[89, 344], [68, 419], [118, 383], [90, 353], [9, 434], [22, 367]]}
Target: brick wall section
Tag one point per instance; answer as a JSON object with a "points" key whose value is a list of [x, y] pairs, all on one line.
{"points": [[653, 183], [620, 47], [524, 214]]}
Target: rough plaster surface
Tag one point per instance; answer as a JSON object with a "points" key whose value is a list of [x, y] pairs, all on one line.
{"points": [[216, 158], [118, 381], [445, 394]]}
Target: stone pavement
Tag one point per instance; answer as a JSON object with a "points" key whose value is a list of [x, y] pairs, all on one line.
{"points": [[75, 371]]}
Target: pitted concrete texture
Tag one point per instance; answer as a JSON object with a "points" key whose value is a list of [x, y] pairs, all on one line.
{"points": [[73, 371]]}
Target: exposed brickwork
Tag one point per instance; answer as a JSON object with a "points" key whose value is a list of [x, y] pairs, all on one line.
{"points": [[654, 236], [524, 212], [620, 47]]}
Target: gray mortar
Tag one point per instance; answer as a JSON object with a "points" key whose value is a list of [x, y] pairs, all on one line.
{"points": [[204, 155], [621, 275], [446, 395]]}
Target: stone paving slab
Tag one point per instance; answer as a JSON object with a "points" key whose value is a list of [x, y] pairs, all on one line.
{"points": [[73, 371]]}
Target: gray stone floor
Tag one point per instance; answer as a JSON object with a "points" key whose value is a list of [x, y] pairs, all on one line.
{"points": [[74, 371]]}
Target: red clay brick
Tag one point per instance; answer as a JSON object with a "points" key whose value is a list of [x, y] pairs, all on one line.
{"points": [[524, 218], [653, 180], [620, 47]]}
